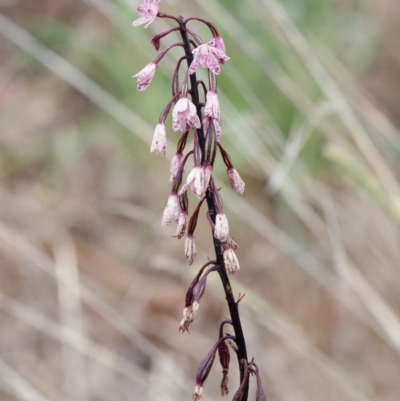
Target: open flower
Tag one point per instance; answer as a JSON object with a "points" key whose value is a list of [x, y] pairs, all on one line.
{"points": [[196, 181], [184, 115], [148, 11], [159, 143], [208, 56], [145, 76]]}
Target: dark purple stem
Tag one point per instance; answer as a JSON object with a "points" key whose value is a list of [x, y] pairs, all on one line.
{"points": [[163, 15], [232, 304], [211, 26]]}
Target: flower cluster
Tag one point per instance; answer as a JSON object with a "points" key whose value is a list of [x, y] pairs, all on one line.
{"points": [[186, 117], [198, 118]]}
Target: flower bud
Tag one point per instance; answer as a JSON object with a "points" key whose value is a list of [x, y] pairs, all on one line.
{"points": [[235, 181], [211, 108], [190, 249], [204, 369], [260, 396], [217, 128], [231, 261], [176, 164], [221, 229], [159, 143], [243, 385]]}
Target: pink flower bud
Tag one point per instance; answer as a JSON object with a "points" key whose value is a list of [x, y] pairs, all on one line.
{"points": [[159, 143], [236, 182], [190, 249], [176, 164], [211, 108], [171, 212], [231, 261], [221, 229], [145, 76]]}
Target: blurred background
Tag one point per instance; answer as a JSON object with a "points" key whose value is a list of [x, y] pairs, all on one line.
{"points": [[92, 286]]}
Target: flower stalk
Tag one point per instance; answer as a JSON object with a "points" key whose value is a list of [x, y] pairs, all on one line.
{"points": [[197, 115]]}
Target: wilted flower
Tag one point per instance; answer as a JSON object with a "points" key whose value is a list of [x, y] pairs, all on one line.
{"points": [[231, 261], [159, 143], [171, 212], [221, 229], [236, 182], [224, 359], [189, 313], [181, 228], [148, 11], [198, 393], [184, 115], [231, 243], [208, 56]]}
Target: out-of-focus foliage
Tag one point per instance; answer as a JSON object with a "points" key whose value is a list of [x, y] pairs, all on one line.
{"points": [[92, 287]]}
